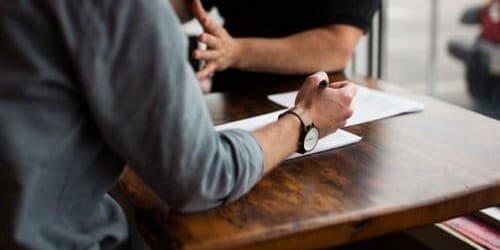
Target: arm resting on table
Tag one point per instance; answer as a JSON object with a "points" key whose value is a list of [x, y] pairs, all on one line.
{"points": [[146, 102]]}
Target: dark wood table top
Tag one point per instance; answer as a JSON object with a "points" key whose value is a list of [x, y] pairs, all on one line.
{"points": [[408, 171]]}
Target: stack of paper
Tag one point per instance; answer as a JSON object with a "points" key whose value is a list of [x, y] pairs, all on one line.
{"points": [[338, 139], [368, 105]]}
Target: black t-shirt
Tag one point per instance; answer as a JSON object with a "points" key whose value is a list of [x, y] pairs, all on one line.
{"points": [[279, 18]]}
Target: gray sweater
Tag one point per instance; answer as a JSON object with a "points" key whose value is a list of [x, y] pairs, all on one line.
{"points": [[87, 86]]}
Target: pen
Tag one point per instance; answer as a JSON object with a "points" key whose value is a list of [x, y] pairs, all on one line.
{"points": [[323, 84]]}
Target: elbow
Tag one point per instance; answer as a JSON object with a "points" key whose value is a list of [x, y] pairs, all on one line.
{"points": [[188, 206], [212, 176], [192, 200], [197, 194], [209, 188]]}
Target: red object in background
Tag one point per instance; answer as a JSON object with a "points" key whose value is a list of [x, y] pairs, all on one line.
{"points": [[476, 230], [490, 21]]}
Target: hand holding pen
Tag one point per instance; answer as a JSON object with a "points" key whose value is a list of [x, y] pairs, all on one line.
{"points": [[328, 104]]}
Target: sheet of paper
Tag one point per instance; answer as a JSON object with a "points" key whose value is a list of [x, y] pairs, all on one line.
{"points": [[368, 105], [338, 139]]}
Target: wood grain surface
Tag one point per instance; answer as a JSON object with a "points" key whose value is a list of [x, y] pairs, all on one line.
{"points": [[408, 171]]}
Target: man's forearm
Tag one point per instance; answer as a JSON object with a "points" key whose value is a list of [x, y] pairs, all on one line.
{"points": [[278, 140], [327, 48]]}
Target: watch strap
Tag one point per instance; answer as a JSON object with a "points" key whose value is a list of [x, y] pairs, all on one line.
{"points": [[300, 113], [305, 123]]}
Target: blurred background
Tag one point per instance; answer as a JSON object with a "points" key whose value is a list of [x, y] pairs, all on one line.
{"points": [[409, 51], [409, 42]]}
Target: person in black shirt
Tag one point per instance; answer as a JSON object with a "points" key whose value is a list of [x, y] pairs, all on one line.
{"points": [[277, 38]]}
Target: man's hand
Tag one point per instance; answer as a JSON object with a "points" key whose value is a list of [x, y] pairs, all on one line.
{"points": [[329, 107], [222, 49]]}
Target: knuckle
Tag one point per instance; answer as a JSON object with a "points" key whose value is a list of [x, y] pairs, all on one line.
{"points": [[348, 113], [205, 21], [317, 77], [312, 79], [346, 97], [322, 75], [354, 89]]}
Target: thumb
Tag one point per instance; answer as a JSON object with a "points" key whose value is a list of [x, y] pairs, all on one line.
{"points": [[345, 94], [338, 85]]}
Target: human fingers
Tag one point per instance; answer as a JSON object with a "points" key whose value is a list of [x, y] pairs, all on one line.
{"points": [[332, 128], [345, 114], [316, 78], [331, 122], [210, 40], [351, 89], [211, 27], [206, 54], [198, 11], [206, 22], [206, 84], [206, 71], [309, 83], [341, 124], [345, 94], [310, 88], [338, 85]]}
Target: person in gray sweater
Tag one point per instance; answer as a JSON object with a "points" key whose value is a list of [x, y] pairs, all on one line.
{"points": [[87, 86]]}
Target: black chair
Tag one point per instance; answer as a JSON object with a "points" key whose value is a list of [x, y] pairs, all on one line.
{"points": [[376, 41]]}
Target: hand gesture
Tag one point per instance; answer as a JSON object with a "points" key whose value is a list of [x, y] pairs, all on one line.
{"points": [[222, 49]]}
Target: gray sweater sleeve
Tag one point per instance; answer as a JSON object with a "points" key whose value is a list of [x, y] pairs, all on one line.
{"points": [[145, 100]]}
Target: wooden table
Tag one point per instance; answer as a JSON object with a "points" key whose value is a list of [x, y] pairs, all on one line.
{"points": [[408, 171]]}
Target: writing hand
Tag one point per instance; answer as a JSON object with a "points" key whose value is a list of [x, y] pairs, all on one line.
{"points": [[329, 108]]}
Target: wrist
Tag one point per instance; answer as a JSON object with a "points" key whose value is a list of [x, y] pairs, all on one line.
{"points": [[309, 134], [292, 123], [307, 111], [240, 49]]}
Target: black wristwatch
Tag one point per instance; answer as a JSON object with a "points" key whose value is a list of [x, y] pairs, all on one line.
{"points": [[309, 134]]}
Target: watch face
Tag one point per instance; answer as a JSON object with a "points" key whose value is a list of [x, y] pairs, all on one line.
{"points": [[311, 139]]}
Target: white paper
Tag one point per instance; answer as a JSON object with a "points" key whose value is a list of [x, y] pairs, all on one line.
{"points": [[338, 139], [251, 123], [368, 105], [493, 212]]}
